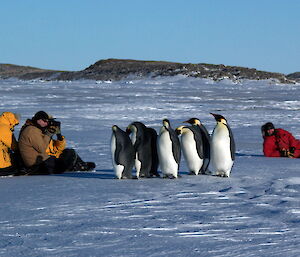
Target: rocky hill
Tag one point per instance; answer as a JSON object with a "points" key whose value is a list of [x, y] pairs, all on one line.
{"points": [[117, 69], [25, 72], [294, 76]]}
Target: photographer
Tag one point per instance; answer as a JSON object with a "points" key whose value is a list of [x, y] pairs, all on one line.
{"points": [[34, 140], [42, 154], [279, 142]]}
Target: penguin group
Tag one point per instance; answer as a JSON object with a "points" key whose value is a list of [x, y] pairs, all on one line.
{"points": [[141, 149]]}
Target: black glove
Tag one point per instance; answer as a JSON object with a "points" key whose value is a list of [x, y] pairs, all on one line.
{"points": [[51, 130], [59, 137], [283, 152], [292, 149], [54, 129], [287, 153], [290, 155]]}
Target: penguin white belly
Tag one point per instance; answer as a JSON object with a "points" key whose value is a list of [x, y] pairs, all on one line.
{"points": [[138, 165], [220, 153], [167, 161], [118, 169], [189, 150]]}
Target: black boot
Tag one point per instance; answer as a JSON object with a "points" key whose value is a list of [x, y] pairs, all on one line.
{"points": [[80, 165]]}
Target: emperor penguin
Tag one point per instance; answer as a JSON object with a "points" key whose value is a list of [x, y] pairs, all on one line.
{"points": [[192, 148], [205, 141], [169, 152], [222, 147], [154, 160], [122, 152], [142, 146]]}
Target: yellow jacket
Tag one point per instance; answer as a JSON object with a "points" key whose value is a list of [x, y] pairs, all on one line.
{"points": [[8, 142], [56, 147]]}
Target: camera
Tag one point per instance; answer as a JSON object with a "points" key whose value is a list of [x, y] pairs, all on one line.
{"points": [[53, 123]]}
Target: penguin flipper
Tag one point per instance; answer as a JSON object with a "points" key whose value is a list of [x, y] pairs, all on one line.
{"points": [[117, 153], [232, 143], [199, 142], [176, 149]]}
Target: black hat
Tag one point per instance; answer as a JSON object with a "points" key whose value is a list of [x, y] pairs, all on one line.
{"points": [[41, 115], [269, 125]]}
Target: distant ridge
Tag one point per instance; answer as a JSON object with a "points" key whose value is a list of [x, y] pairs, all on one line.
{"points": [[117, 69]]}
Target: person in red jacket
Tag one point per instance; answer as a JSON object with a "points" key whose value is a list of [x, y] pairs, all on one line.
{"points": [[279, 142]]}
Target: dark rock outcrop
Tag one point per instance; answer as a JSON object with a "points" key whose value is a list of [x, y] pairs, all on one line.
{"points": [[117, 69], [294, 76], [25, 72]]}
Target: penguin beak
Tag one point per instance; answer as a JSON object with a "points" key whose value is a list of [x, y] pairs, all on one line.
{"points": [[217, 117]]}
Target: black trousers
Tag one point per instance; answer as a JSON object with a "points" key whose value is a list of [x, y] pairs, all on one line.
{"points": [[54, 165], [12, 170]]}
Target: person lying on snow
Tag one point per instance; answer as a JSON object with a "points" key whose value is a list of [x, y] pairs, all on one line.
{"points": [[10, 160], [44, 155], [279, 142]]}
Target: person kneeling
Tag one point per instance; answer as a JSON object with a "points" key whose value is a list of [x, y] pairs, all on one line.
{"points": [[279, 142]]}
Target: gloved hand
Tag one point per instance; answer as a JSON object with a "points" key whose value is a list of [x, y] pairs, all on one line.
{"points": [[290, 155], [54, 129], [292, 149], [51, 130], [287, 153], [291, 152], [283, 152]]}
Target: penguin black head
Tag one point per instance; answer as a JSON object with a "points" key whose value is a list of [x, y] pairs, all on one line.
{"points": [[193, 121], [179, 130], [219, 118], [114, 128], [166, 123]]}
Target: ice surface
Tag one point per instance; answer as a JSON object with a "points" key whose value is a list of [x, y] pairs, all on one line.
{"points": [[255, 212]]}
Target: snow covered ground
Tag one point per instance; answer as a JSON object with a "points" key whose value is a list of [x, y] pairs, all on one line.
{"points": [[255, 212]]}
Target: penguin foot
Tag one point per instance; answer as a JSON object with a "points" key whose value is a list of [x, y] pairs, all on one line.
{"points": [[170, 176], [222, 175], [125, 177], [144, 176], [205, 172], [154, 175], [192, 173]]}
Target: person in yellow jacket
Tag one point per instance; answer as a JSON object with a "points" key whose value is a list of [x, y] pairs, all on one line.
{"points": [[8, 144]]}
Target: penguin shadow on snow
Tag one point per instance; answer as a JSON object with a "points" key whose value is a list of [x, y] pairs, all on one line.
{"points": [[248, 155], [98, 174]]}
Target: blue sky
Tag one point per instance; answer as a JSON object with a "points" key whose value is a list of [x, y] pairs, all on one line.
{"points": [[73, 34]]}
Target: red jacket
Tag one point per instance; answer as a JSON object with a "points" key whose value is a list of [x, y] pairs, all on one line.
{"points": [[281, 139]]}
